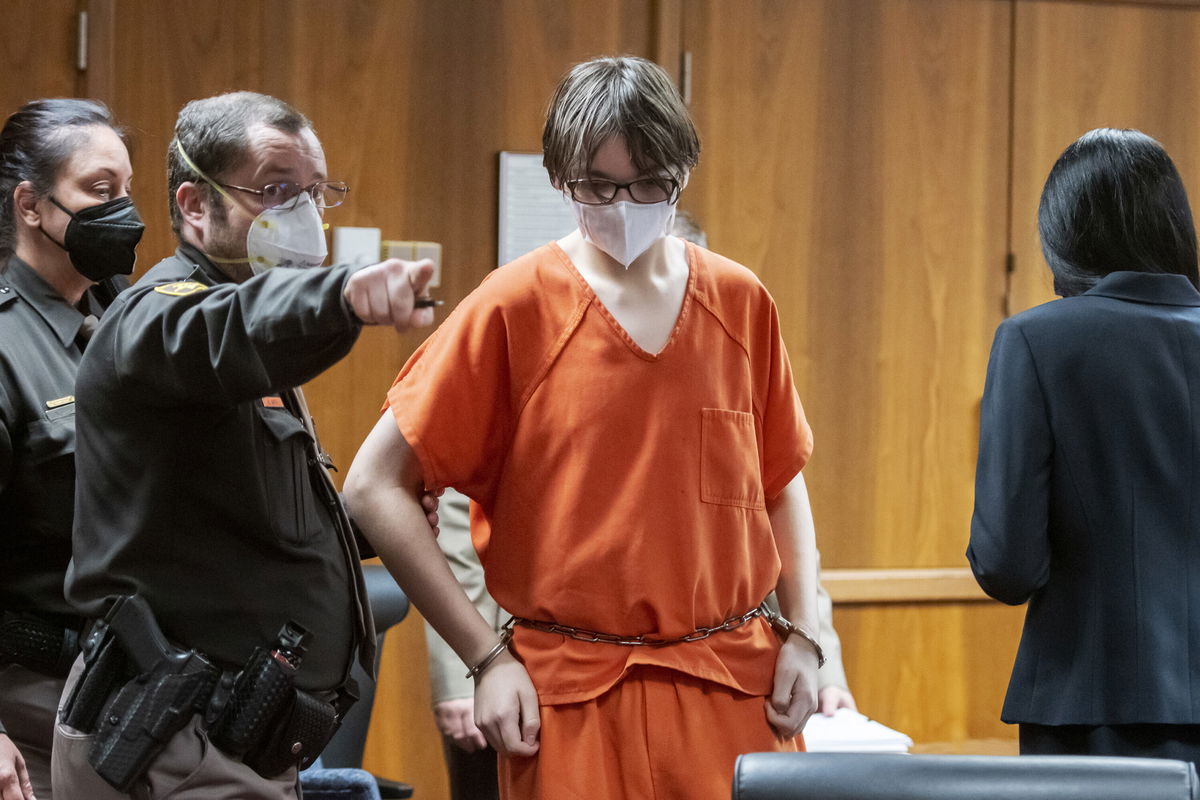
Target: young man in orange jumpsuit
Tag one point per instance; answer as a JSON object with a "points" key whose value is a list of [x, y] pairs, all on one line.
{"points": [[620, 407]]}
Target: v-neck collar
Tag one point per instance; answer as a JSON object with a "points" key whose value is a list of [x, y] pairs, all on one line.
{"points": [[684, 307]]}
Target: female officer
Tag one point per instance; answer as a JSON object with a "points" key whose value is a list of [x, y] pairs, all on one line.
{"points": [[67, 230], [1085, 493]]}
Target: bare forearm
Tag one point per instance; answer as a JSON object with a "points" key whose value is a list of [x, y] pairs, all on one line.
{"points": [[383, 490], [794, 696], [795, 538], [384, 486], [405, 544]]}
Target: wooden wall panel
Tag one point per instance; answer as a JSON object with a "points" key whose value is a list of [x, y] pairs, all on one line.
{"points": [[1080, 66], [164, 54], [855, 157], [37, 51], [937, 671]]}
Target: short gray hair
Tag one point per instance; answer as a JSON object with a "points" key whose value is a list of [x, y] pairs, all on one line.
{"points": [[213, 133], [618, 96]]}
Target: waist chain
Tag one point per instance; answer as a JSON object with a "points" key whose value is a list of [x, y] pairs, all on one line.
{"points": [[642, 639]]}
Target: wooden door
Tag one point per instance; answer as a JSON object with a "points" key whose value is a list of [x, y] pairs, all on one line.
{"points": [[855, 156], [39, 52]]}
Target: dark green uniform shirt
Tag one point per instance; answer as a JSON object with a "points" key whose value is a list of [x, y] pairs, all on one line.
{"points": [[39, 355], [196, 484]]}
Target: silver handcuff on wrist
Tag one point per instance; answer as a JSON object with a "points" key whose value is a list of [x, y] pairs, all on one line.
{"points": [[506, 636], [785, 628]]}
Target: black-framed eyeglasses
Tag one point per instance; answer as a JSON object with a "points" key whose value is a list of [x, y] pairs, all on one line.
{"points": [[599, 192], [325, 194]]}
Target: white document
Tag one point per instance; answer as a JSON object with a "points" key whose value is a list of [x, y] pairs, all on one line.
{"points": [[850, 732], [532, 212]]}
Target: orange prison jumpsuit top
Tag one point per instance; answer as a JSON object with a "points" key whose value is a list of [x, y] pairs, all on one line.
{"points": [[624, 492]]}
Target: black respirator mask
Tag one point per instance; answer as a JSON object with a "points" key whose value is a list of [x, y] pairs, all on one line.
{"points": [[101, 239]]}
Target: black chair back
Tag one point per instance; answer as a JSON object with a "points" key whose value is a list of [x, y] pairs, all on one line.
{"points": [[854, 776]]}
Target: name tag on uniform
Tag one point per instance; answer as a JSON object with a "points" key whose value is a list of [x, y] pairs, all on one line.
{"points": [[272, 402], [61, 408]]}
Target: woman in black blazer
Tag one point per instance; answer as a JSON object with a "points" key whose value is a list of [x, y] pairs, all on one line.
{"points": [[1087, 491]]}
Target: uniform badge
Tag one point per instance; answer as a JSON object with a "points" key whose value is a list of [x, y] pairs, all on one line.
{"points": [[180, 288], [62, 401], [274, 401]]}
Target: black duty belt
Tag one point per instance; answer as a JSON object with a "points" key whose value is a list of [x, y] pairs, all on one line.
{"points": [[37, 643], [137, 690]]}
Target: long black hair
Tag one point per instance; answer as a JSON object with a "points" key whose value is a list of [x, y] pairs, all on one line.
{"points": [[1114, 201], [34, 144]]}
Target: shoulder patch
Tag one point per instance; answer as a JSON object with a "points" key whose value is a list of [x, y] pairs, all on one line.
{"points": [[180, 288]]}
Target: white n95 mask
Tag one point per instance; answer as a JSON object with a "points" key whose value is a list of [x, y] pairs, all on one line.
{"points": [[288, 235], [624, 230]]}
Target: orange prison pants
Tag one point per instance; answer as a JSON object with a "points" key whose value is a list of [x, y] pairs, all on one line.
{"points": [[657, 735]]}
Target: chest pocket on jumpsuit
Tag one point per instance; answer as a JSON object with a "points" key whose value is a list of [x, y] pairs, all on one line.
{"points": [[729, 464], [288, 484]]}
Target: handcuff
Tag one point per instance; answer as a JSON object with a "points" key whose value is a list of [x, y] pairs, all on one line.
{"points": [[785, 628], [506, 636]]}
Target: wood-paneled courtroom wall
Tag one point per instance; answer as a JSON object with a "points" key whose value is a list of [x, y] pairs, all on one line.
{"points": [[874, 161]]}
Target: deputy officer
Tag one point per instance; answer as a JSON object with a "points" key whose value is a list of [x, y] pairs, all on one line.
{"points": [[202, 488], [67, 230]]}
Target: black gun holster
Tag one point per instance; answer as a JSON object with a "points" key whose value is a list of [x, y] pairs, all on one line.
{"points": [[139, 721], [136, 692]]}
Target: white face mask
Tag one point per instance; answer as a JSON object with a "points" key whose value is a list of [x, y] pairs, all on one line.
{"points": [[288, 235], [624, 230]]}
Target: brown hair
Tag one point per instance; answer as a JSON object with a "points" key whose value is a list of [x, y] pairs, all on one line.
{"points": [[618, 96]]}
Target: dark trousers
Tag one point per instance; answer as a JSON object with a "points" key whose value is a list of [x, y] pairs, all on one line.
{"points": [[1181, 742], [472, 775]]}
